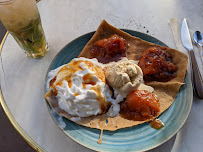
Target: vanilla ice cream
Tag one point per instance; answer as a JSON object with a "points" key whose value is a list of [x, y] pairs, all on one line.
{"points": [[124, 77], [81, 88]]}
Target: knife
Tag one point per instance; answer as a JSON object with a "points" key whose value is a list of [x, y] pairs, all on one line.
{"points": [[187, 43]]}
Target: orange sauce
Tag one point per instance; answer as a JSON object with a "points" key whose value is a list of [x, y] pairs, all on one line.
{"points": [[76, 94], [100, 98], [52, 81], [157, 64], [100, 137], [156, 124], [140, 105], [101, 124], [73, 67], [109, 49], [88, 79]]}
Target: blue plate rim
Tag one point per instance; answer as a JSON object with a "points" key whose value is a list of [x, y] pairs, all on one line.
{"points": [[125, 30]]}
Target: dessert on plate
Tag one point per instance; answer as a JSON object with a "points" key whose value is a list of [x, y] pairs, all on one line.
{"points": [[116, 77]]}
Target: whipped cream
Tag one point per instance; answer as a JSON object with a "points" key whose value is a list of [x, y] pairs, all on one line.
{"points": [[81, 99]]}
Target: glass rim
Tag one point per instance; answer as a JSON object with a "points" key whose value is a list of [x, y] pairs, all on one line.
{"points": [[4, 2]]}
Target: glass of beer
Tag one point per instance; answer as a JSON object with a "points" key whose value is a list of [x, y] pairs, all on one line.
{"points": [[22, 19]]}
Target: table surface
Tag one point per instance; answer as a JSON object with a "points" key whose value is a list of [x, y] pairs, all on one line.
{"points": [[10, 140], [66, 20]]}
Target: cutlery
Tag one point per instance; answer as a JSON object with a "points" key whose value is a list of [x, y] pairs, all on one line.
{"points": [[196, 77], [198, 40]]}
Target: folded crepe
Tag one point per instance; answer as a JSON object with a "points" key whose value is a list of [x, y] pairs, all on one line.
{"points": [[166, 91]]}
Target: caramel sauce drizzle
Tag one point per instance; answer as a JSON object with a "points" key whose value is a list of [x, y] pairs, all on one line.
{"points": [[156, 123], [101, 127], [100, 137]]}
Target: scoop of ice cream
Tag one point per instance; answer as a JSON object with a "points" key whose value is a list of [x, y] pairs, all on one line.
{"points": [[81, 88], [124, 76]]}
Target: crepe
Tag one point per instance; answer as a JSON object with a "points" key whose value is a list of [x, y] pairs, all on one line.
{"points": [[166, 91]]}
